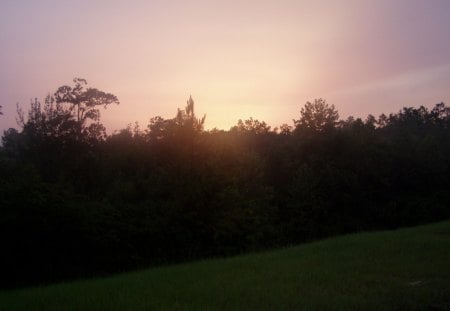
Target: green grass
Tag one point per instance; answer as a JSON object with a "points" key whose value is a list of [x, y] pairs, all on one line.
{"points": [[406, 269]]}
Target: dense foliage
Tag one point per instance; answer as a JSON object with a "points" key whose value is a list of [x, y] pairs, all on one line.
{"points": [[76, 202]]}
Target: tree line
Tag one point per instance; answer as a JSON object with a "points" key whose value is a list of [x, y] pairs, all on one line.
{"points": [[76, 202]]}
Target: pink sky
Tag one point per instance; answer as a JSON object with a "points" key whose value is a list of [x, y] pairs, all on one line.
{"points": [[238, 59]]}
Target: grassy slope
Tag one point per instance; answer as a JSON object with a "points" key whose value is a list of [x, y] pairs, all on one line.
{"points": [[403, 269]]}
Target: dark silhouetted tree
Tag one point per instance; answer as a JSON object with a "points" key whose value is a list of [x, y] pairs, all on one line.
{"points": [[317, 116], [82, 101], [68, 112], [252, 126], [49, 119], [186, 118], [285, 129]]}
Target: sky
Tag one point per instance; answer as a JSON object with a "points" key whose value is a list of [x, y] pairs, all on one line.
{"points": [[238, 59]]}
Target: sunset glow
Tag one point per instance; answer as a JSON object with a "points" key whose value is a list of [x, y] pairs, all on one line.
{"points": [[260, 59]]}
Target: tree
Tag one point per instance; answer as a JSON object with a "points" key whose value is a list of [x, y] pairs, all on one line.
{"points": [[285, 129], [186, 118], [158, 128], [317, 116], [67, 113], [441, 114], [251, 125], [50, 119], [184, 125], [83, 102]]}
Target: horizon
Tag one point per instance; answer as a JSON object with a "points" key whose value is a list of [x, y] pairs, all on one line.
{"points": [[255, 59]]}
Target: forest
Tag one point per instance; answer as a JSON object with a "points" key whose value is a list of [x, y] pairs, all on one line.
{"points": [[77, 202]]}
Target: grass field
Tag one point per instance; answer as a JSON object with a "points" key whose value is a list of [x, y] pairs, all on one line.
{"points": [[407, 269]]}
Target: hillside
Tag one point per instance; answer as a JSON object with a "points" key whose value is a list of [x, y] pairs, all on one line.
{"points": [[390, 270]]}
